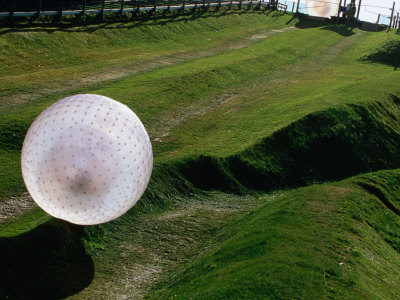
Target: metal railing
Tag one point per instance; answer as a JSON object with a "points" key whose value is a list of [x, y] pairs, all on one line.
{"points": [[36, 8], [23, 8]]}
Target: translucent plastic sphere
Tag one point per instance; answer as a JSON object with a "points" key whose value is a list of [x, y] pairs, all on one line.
{"points": [[86, 159], [324, 9]]}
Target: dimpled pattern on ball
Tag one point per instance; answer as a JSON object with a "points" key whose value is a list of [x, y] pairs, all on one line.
{"points": [[86, 159], [324, 9]]}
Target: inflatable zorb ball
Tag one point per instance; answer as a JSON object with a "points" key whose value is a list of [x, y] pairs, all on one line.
{"points": [[86, 159], [324, 9]]}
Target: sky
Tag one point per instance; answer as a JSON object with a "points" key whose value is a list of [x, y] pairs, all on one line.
{"points": [[370, 13], [369, 9]]}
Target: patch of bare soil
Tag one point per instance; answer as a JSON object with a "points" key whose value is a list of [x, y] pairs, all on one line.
{"points": [[117, 72], [163, 242], [286, 76], [15, 206]]}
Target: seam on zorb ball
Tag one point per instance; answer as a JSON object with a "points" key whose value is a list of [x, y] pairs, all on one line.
{"points": [[86, 159]]}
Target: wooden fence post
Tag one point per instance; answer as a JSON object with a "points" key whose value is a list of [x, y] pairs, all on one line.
{"points": [[40, 8], [122, 7], [138, 7], [155, 6], [398, 24], [339, 11], [102, 9], [358, 9], [84, 8], [293, 6], [249, 5], [298, 5], [258, 7], [11, 15], [60, 12], [391, 16], [398, 21], [344, 13]]}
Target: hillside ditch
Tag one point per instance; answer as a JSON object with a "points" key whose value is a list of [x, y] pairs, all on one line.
{"points": [[324, 146], [328, 145]]}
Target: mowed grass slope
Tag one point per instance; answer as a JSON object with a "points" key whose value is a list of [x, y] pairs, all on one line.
{"points": [[337, 240], [63, 53], [225, 116], [224, 103], [40, 60], [199, 228]]}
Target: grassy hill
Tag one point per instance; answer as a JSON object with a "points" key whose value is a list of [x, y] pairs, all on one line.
{"points": [[336, 240], [252, 116]]}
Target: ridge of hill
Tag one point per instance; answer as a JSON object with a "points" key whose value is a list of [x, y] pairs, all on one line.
{"points": [[176, 200], [332, 144], [335, 240]]}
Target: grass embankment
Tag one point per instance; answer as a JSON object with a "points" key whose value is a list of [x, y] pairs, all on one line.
{"points": [[68, 56], [388, 53], [327, 145], [224, 103], [211, 222], [337, 240], [236, 107], [295, 246], [46, 60], [172, 235]]}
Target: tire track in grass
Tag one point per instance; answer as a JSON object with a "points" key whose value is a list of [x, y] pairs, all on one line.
{"points": [[277, 80], [112, 73], [163, 242], [282, 79], [11, 208]]}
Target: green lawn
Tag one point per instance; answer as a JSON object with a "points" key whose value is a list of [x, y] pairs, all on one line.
{"points": [[336, 240], [140, 47], [224, 103]]}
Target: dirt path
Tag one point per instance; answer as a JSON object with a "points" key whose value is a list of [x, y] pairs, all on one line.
{"points": [[118, 72], [17, 205], [164, 242], [168, 239], [281, 79]]}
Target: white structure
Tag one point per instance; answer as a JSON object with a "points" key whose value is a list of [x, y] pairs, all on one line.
{"points": [[86, 159], [324, 9]]}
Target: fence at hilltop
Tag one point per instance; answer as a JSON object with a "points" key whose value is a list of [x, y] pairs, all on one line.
{"points": [[12, 9]]}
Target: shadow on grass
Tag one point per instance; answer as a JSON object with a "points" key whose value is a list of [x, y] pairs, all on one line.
{"points": [[48, 262], [93, 23], [305, 22], [387, 54], [323, 146]]}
